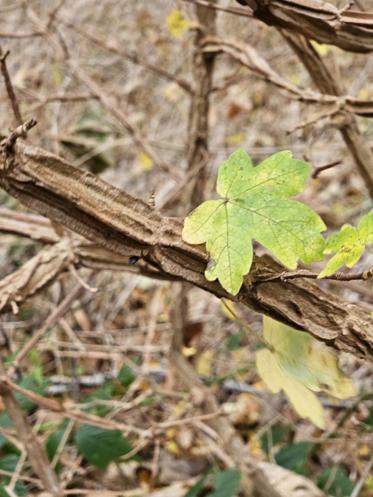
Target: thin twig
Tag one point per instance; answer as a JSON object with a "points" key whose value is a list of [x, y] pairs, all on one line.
{"points": [[326, 82], [9, 87], [304, 273], [133, 131], [131, 56], [230, 10], [359, 485], [21, 35], [318, 170], [52, 319]]}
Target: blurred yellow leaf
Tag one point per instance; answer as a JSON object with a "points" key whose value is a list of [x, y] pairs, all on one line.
{"points": [[369, 483], [255, 447], [242, 361], [56, 74], [298, 364], [294, 77], [204, 363], [365, 92], [189, 351], [177, 24], [321, 48], [235, 139], [229, 309], [171, 446], [173, 93], [364, 451], [145, 162], [180, 408]]}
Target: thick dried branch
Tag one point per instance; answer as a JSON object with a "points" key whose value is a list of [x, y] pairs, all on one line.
{"points": [[321, 21], [113, 219], [78, 251]]}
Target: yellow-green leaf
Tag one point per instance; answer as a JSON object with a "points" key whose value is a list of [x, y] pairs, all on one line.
{"points": [[145, 162], [177, 24], [322, 48], [255, 204], [348, 245]]}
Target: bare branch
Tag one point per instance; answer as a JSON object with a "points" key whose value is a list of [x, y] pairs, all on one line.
{"points": [[135, 133], [52, 319], [327, 83], [132, 57], [248, 57], [111, 218]]}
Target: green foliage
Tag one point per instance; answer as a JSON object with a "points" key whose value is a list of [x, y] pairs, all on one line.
{"points": [[275, 435], [100, 447], [299, 365], [5, 422], [126, 376], [233, 342], [29, 383], [335, 481], [294, 456], [348, 245], [36, 363], [197, 487], [87, 139], [54, 441], [368, 422], [255, 204], [226, 484], [9, 463]]}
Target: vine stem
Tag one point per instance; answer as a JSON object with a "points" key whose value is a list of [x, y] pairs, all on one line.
{"points": [[304, 273]]}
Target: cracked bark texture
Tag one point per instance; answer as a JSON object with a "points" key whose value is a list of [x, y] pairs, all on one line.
{"points": [[321, 21]]}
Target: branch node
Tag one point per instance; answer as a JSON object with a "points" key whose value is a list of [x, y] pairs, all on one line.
{"points": [[20, 132]]}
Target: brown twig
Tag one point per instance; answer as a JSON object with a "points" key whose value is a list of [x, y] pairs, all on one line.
{"points": [[318, 170], [304, 273], [9, 87], [36, 453], [133, 131], [230, 10], [327, 83], [248, 57], [21, 35], [52, 319], [131, 56]]}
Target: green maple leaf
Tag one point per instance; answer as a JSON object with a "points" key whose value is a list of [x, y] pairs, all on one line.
{"points": [[255, 205], [348, 245]]}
